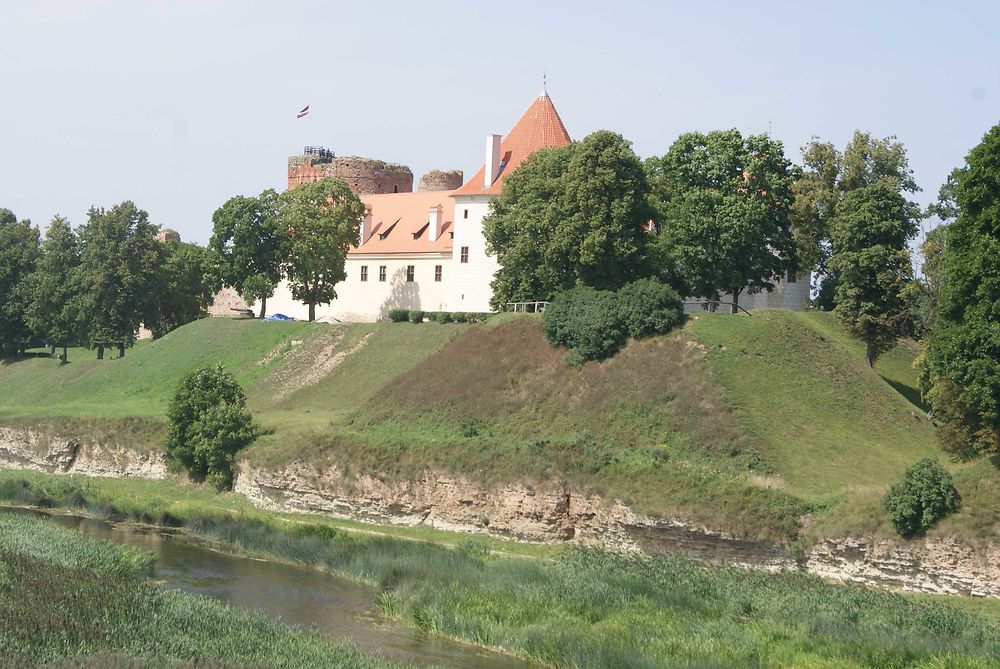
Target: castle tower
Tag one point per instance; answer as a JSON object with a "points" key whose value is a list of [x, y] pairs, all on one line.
{"points": [[364, 175], [472, 268]]}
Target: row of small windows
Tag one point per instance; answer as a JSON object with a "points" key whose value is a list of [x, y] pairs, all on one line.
{"points": [[410, 272]]}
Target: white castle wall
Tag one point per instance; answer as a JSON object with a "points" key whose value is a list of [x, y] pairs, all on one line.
{"points": [[470, 282], [371, 300]]}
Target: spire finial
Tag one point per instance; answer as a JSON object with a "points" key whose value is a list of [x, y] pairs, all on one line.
{"points": [[545, 87]]}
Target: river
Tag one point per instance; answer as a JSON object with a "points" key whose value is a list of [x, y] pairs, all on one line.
{"points": [[300, 596]]}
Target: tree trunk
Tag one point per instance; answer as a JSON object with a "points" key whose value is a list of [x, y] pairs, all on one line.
{"points": [[52, 349], [100, 351], [735, 309], [121, 350], [263, 307], [870, 352], [64, 358], [312, 311]]}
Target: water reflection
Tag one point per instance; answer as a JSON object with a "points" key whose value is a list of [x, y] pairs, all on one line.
{"points": [[300, 596]]}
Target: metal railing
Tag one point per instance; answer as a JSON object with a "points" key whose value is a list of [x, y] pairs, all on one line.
{"points": [[526, 307]]}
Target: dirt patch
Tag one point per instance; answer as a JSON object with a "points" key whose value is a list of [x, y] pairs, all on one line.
{"points": [[307, 365]]}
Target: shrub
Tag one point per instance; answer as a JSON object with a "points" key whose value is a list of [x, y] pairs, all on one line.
{"points": [[432, 316], [209, 423], [586, 321], [416, 316], [444, 317], [399, 315], [647, 307], [459, 317], [924, 495]]}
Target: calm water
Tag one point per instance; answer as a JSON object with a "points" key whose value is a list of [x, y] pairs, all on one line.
{"points": [[300, 596]]}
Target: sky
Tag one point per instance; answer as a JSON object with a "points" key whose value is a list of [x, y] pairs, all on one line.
{"points": [[180, 105]]}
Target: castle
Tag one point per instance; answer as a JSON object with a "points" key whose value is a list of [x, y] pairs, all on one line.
{"points": [[425, 249]]}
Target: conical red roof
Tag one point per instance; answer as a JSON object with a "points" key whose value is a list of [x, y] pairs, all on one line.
{"points": [[540, 127]]}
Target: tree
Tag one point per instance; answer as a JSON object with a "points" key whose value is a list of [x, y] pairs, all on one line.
{"points": [[925, 495], [321, 221], [188, 284], [248, 237], [120, 268], [826, 176], [871, 259], [54, 312], [724, 206], [961, 374], [19, 252], [569, 216], [208, 424]]}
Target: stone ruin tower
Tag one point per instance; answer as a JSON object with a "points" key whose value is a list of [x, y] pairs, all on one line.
{"points": [[364, 175], [438, 180]]}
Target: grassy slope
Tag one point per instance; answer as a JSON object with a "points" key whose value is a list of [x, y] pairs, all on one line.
{"points": [[765, 418]]}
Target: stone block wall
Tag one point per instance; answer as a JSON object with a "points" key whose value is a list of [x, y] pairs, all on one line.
{"points": [[438, 180], [363, 175]]}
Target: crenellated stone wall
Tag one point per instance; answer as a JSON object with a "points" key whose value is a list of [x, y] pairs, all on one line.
{"points": [[363, 175]]}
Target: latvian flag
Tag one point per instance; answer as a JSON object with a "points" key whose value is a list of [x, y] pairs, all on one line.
{"points": [[302, 112]]}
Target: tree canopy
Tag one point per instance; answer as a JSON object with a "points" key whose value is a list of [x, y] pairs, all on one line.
{"points": [[120, 272], [570, 216], [248, 237], [321, 221], [188, 283], [871, 259], [723, 202], [19, 253], [54, 311], [962, 375]]}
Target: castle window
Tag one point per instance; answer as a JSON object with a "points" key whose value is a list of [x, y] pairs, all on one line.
{"points": [[395, 189], [437, 273], [409, 273], [465, 214], [465, 254], [364, 272], [381, 272], [792, 278]]}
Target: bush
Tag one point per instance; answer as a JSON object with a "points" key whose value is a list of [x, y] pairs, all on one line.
{"points": [[924, 496], [647, 307], [399, 315], [459, 317], [586, 321], [209, 423], [416, 316], [444, 317]]}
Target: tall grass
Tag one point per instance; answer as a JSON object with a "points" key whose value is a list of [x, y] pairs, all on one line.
{"points": [[70, 600], [590, 609]]}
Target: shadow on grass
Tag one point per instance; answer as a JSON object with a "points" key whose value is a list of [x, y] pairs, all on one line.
{"points": [[911, 394]]}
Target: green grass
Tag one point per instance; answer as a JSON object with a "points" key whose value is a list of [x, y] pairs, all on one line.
{"points": [[66, 598], [581, 609]]}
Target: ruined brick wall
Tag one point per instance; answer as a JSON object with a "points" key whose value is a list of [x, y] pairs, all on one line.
{"points": [[438, 180], [363, 175]]}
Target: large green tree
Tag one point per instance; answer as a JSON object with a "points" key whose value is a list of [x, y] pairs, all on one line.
{"points": [[962, 368], [827, 175], [871, 258], [251, 245], [54, 313], [321, 221], [723, 202], [120, 268], [570, 216], [188, 284], [19, 252]]}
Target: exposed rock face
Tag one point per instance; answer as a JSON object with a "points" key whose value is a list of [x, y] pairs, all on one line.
{"points": [[940, 566], [554, 513], [438, 180], [22, 448]]}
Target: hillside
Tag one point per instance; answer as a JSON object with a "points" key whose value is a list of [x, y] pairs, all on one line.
{"points": [[744, 424]]}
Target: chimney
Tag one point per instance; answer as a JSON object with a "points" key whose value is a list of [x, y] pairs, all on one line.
{"points": [[434, 223], [366, 225], [492, 159]]}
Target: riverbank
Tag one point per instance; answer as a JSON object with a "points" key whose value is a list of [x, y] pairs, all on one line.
{"points": [[71, 601], [578, 608]]}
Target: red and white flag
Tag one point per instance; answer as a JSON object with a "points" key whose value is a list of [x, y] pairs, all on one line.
{"points": [[302, 112]]}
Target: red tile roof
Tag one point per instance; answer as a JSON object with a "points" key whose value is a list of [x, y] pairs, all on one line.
{"points": [[540, 127], [403, 215]]}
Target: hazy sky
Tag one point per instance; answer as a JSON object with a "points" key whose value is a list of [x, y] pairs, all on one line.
{"points": [[180, 105]]}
